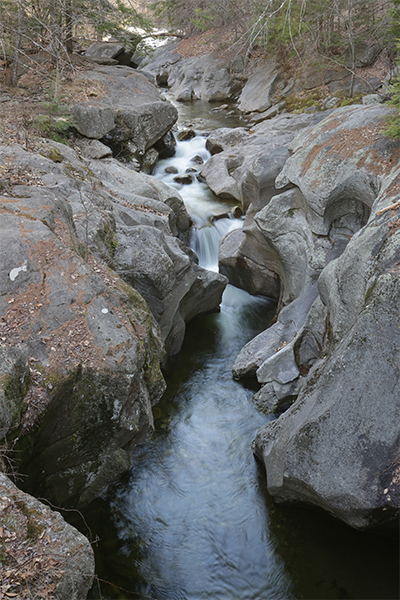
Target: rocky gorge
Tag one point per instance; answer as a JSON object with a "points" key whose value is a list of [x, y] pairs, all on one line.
{"points": [[98, 283], [320, 193]]}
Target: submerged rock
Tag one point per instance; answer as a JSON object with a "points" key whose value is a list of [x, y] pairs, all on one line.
{"points": [[184, 179], [186, 134]]}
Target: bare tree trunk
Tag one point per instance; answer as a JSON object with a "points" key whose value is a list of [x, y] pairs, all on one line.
{"points": [[68, 26], [53, 33], [15, 63], [350, 7]]}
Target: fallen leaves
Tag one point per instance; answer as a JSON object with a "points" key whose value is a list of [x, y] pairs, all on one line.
{"points": [[13, 174], [26, 559]]}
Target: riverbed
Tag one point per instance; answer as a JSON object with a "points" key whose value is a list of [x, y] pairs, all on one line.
{"points": [[192, 519]]}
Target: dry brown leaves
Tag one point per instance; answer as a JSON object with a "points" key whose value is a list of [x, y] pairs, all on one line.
{"points": [[27, 559], [13, 174], [215, 41]]}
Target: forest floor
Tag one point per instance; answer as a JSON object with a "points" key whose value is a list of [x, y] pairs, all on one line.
{"points": [[32, 108]]}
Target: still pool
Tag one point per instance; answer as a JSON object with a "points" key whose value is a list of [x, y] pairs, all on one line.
{"points": [[192, 520]]}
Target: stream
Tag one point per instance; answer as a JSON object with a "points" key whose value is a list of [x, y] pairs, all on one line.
{"points": [[192, 519]]}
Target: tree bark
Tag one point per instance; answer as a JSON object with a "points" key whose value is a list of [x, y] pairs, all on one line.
{"points": [[68, 27], [53, 33], [15, 63]]}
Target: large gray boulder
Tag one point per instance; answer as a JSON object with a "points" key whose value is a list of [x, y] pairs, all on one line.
{"points": [[245, 163], [338, 446], [225, 138], [104, 50], [259, 258], [92, 346], [145, 251], [342, 145], [93, 121], [130, 109], [80, 346], [217, 173], [260, 87], [364, 54], [54, 555], [269, 343], [250, 264], [162, 59], [258, 183], [333, 348], [202, 77]]}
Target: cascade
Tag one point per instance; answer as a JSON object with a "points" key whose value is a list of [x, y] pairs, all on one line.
{"points": [[205, 210]]}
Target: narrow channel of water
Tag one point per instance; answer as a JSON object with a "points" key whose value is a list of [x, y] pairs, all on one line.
{"points": [[192, 519]]}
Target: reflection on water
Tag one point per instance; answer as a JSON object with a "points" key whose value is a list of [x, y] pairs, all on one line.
{"points": [[192, 499], [192, 520]]}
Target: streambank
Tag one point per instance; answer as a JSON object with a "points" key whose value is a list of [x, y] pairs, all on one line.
{"points": [[320, 195], [81, 352]]}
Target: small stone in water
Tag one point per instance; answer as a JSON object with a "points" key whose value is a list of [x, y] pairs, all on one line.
{"points": [[184, 179], [171, 170], [197, 159], [186, 134]]}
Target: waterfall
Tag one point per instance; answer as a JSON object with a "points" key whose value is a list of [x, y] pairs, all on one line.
{"points": [[207, 211]]}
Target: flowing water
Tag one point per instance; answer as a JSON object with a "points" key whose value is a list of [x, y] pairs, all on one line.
{"points": [[192, 519]]}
